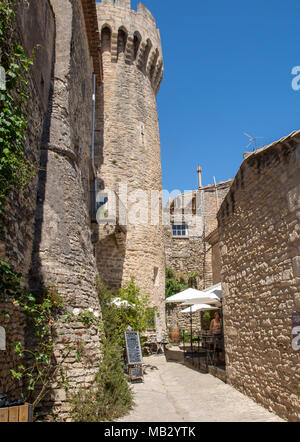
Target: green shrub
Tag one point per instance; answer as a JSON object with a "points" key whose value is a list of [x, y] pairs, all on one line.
{"points": [[110, 396], [174, 283], [117, 319]]}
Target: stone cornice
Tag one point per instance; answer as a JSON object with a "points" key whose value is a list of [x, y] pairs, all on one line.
{"points": [[92, 30]]}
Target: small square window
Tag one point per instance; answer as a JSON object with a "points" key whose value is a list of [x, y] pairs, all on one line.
{"points": [[179, 230]]}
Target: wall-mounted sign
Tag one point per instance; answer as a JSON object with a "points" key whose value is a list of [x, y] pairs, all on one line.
{"points": [[133, 348], [296, 331], [2, 339]]}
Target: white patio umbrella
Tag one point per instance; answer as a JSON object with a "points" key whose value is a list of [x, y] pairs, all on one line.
{"points": [[211, 295], [215, 289], [199, 307], [207, 299], [188, 294]]}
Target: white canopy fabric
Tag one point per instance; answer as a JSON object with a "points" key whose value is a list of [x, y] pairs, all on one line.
{"points": [[215, 289], [210, 295], [199, 307], [188, 294], [212, 288], [205, 299]]}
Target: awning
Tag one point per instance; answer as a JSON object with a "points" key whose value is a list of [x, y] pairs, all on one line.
{"points": [[210, 295], [199, 307], [188, 294]]}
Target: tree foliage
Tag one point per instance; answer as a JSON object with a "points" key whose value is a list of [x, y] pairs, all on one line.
{"points": [[174, 283], [117, 319]]}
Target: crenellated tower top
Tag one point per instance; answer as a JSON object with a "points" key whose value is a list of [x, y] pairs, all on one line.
{"points": [[134, 33]]}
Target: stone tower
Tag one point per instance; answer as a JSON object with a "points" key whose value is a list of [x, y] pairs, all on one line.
{"points": [[128, 150]]}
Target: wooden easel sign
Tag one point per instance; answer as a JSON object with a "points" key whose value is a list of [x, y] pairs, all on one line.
{"points": [[134, 355]]}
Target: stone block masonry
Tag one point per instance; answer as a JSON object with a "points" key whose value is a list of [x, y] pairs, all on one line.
{"points": [[35, 24], [63, 253], [191, 253], [128, 147], [260, 247], [48, 238]]}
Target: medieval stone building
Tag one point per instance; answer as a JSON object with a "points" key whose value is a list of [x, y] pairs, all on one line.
{"points": [[190, 219], [260, 253], [129, 152], [92, 124]]}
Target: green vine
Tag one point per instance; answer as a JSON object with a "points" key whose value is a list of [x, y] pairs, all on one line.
{"points": [[15, 169], [37, 367], [15, 172]]}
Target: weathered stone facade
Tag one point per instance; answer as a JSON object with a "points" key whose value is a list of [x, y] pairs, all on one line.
{"points": [[213, 242], [48, 238], [63, 253], [128, 150], [260, 251], [192, 253], [35, 25], [81, 73]]}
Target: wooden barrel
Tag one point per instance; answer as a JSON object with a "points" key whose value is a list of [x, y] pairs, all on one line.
{"points": [[175, 335]]}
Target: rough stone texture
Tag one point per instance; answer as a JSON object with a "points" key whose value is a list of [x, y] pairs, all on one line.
{"points": [[214, 243], [63, 252], [48, 238], [173, 392], [128, 149], [260, 248], [34, 25], [175, 319], [192, 253]]}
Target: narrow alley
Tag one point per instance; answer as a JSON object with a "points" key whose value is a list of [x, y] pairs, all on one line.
{"points": [[172, 392]]}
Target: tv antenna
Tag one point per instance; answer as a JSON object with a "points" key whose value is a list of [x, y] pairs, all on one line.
{"points": [[253, 141]]}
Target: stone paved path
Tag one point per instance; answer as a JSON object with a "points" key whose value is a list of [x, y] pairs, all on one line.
{"points": [[173, 392]]}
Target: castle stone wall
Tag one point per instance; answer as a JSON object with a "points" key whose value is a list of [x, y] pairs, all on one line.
{"points": [[260, 249], [35, 24], [128, 148], [186, 255], [63, 252], [214, 245]]}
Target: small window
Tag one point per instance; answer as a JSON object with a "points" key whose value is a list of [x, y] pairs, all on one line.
{"points": [[155, 277], [179, 230]]}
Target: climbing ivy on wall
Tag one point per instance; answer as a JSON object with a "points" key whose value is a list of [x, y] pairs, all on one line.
{"points": [[15, 173], [15, 169]]}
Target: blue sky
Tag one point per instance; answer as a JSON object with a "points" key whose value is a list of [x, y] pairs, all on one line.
{"points": [[227, 71]]}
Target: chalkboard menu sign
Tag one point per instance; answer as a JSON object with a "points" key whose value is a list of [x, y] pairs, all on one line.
{"points": [[133, 348]]}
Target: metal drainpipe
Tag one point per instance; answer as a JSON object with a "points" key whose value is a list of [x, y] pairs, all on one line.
{"points": [[203, 237], [93, 118], [93, 138]]}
